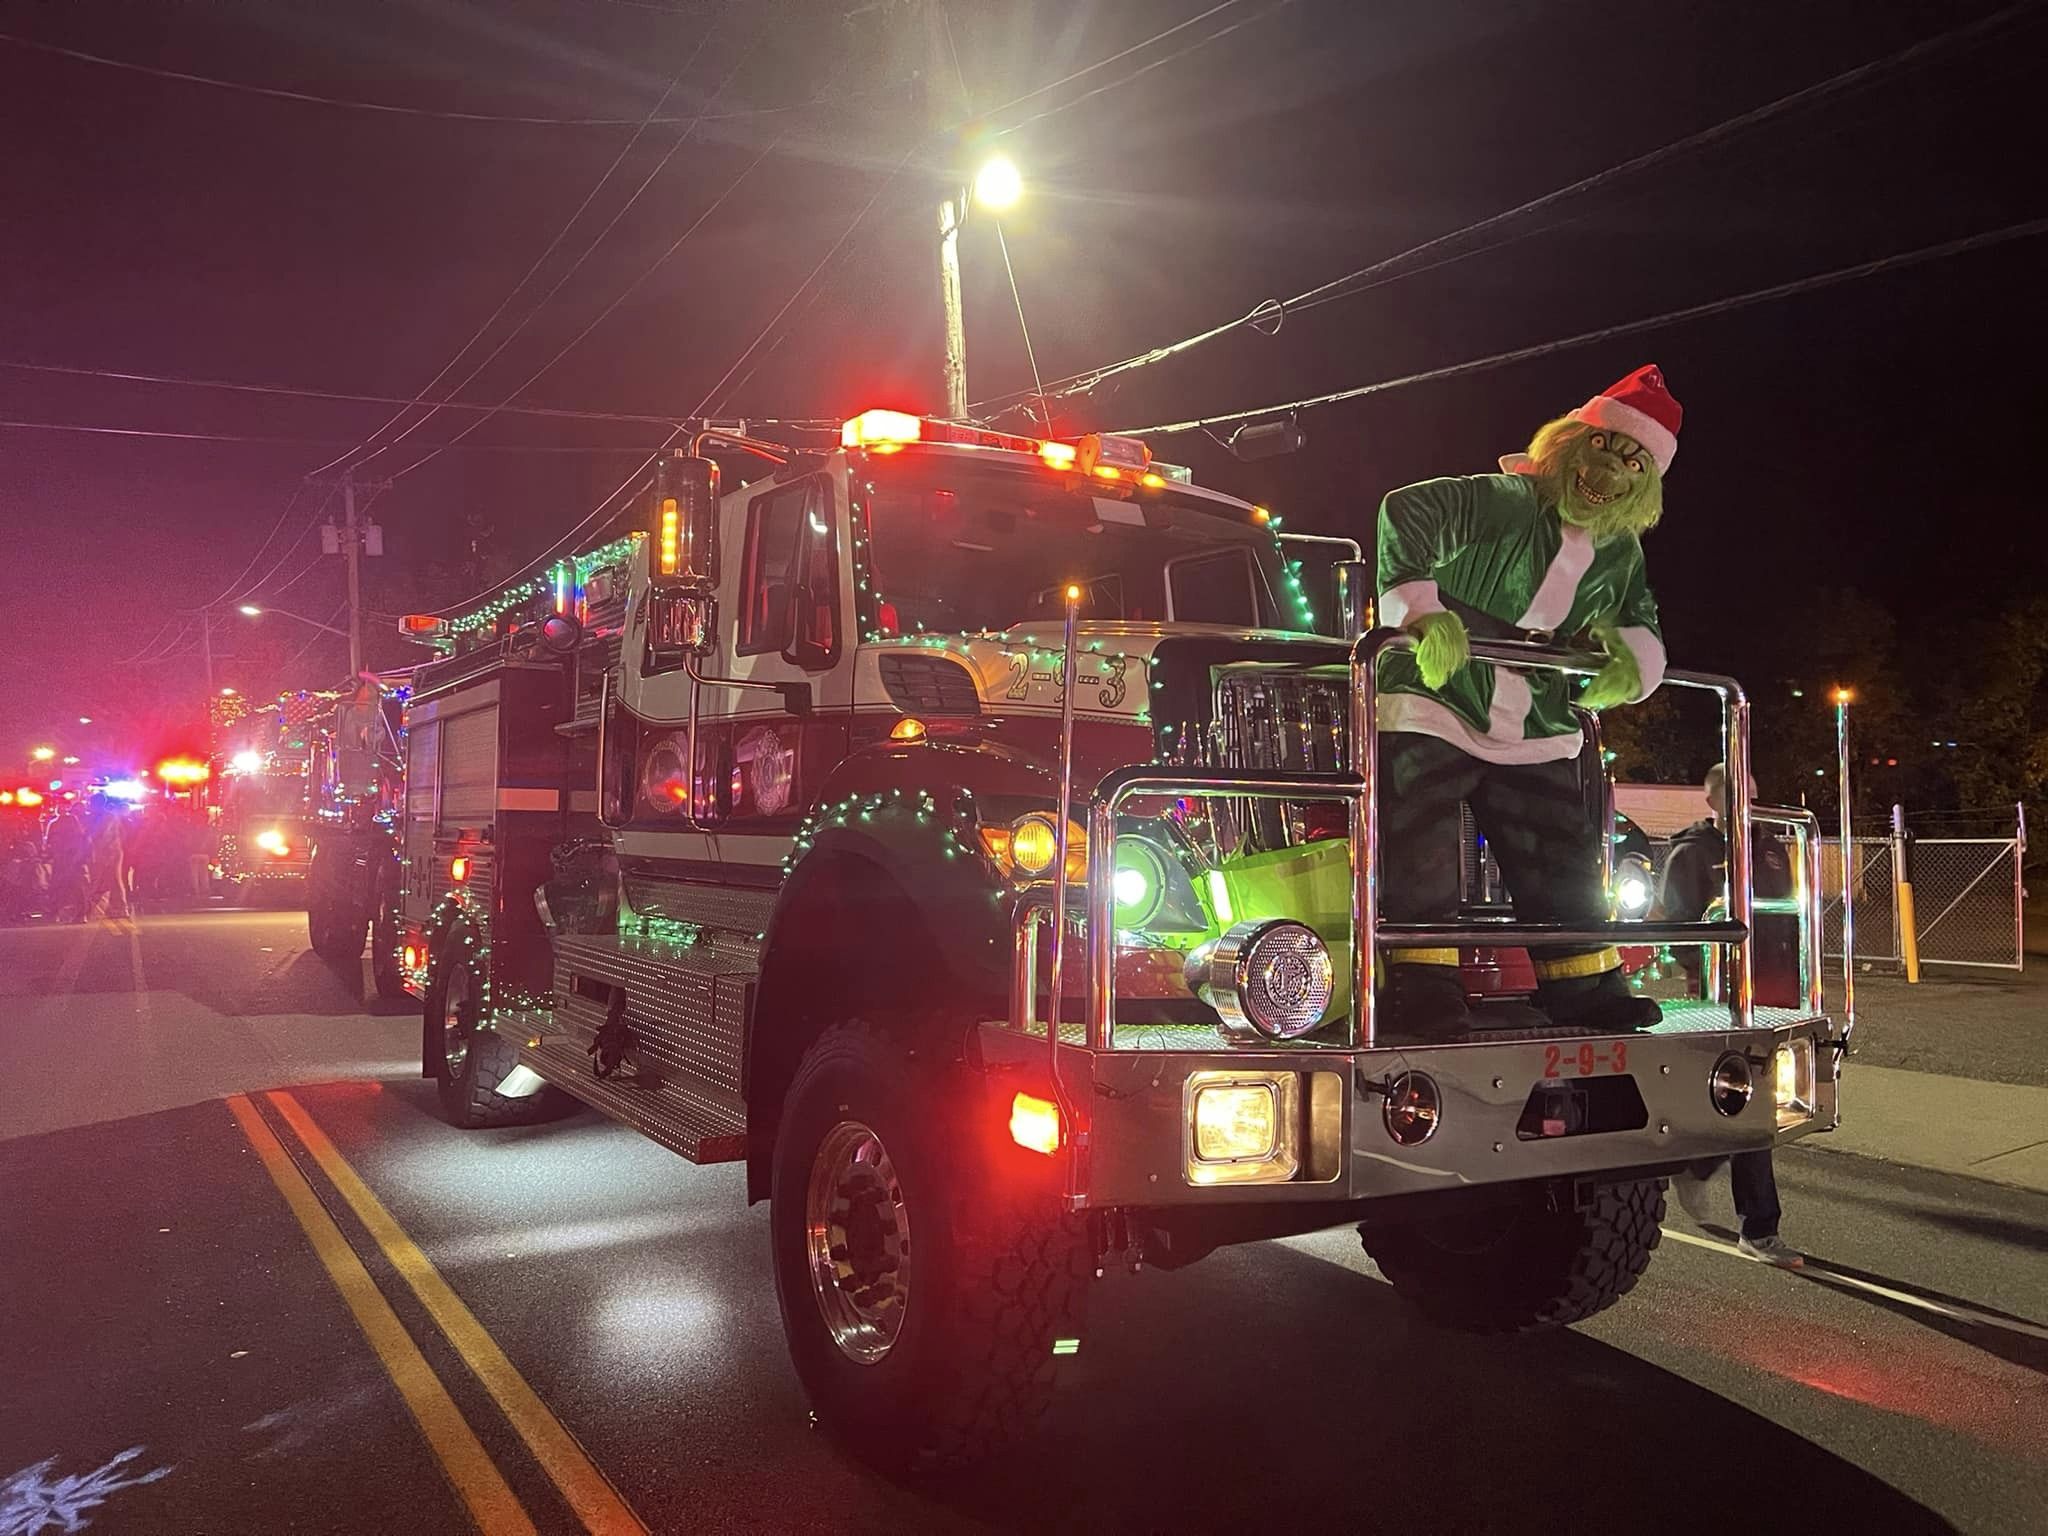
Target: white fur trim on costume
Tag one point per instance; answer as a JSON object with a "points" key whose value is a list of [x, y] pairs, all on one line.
{"points": [[1552, 603], [1426, 717], [1408, 600], [1648, 650], [1659, 442]]}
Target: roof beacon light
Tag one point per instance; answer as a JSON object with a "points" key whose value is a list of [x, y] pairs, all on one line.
{"points": [[872, 427]]}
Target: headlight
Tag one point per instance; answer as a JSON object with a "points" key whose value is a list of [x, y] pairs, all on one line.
{"points": [[1243, 1127], [1792, 1081], [1030, 844], [270, 840], [1266, 980], [1632, 888]]}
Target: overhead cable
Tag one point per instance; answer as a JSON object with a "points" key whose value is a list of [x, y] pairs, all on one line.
{"points": [[538, 262], [391, 109], [1722, 306], [1268, 315]]}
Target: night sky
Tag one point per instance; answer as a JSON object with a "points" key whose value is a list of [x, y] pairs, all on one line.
{"points": [[1879, 436]]}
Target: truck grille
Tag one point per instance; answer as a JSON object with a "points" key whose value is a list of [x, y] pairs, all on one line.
{"points": [[1281, 719]]}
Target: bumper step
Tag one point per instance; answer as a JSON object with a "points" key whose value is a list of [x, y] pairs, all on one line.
{"points": [[694, 1122]]}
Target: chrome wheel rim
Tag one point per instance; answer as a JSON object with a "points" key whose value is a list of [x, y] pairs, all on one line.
{"points": [[455, 1028], [857, 1238]]}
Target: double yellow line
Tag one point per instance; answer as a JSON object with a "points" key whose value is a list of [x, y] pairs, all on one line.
{"points": [[475, 1477]]}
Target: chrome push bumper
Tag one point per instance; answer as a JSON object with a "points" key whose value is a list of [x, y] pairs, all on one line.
{"points": [[1131, 1131]]}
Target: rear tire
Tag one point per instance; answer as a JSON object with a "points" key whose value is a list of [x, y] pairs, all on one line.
{"points": [[933, 1352], [473, 1060], [1525, 1266]]}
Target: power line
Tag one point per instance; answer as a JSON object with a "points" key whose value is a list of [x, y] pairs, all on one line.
{"points": [[391, 109], [1864, 269], [603, 507], [564, 350], [1145, 68], [24, 425], [519, 287], [124, 376], [1122, 53], [1268, 315]]}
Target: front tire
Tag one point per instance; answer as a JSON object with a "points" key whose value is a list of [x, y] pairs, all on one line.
{"points": [[473, 1061], [1503, 1270], [924, 1284], [335, 931]]}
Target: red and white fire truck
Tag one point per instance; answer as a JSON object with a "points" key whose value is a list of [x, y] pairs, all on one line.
{"points": [[972, 834]]}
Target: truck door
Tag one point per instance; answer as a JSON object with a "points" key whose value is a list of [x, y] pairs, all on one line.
{"points": [[785, 616]]}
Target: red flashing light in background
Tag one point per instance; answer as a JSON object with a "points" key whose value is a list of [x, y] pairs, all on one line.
{"points": [[183, 772], [458, 869]]}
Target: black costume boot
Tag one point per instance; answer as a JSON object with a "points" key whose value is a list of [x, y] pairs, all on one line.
{"points": [[1425, 1002], [1601, 1001]]}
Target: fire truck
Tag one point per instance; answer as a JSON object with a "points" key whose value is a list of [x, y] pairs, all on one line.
{"points": [[258, 798], [973, 835], [354, 778]]}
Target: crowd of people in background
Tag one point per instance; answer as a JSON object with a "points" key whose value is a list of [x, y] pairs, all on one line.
{"points": [[103, 861]]}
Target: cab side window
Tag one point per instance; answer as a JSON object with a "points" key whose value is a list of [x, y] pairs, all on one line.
{"points": [[789, 568]]}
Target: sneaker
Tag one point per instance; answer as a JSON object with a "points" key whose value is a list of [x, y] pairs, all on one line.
{"points": [[1772, 1250], [1690, 1191]]}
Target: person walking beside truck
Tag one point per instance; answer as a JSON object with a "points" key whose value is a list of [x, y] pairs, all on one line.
{"points": [[1695, 877]]}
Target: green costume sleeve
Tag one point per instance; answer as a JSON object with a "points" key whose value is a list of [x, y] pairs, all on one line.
{"points": [[1420, 527], [1636, 627]]}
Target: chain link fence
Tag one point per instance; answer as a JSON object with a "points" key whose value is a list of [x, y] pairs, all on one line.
{"points": [[1966, 900]]}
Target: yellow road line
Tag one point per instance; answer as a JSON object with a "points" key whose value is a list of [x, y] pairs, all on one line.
{"points": [[589, 1493], [491, 1502]]}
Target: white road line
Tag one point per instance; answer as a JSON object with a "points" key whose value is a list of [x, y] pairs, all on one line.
{"points": [[1958, 1314]]}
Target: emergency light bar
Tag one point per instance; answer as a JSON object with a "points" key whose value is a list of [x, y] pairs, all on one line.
{"points": [[422, 624], [1101, 455]]}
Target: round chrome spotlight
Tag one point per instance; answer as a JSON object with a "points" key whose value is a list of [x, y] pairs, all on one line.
{"points": [[1731, 1083], [1269, 980], [1413, 1107]]}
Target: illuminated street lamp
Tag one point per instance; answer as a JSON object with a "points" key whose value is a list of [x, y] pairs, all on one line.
{"points": [[252, 611], [43, 754], [999, 184]]}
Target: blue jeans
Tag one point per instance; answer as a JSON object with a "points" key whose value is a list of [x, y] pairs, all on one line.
{"points": [[1756, 1193]]}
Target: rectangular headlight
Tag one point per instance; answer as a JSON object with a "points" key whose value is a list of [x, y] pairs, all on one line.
{"points": [[1792, 1079], [1243, 1127]]}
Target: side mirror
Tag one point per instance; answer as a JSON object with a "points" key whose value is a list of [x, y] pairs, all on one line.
{"points": [[1352, 584], [683, 539], [561, 633]]}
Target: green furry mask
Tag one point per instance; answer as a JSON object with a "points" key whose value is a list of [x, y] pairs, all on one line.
{"points": [[1599, 480]]}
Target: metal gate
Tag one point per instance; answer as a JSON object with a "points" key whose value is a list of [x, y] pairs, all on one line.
{"points": [[1967, 900]]}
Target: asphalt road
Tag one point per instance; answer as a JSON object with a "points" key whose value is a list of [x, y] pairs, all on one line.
{"points": [[160, 1294]]}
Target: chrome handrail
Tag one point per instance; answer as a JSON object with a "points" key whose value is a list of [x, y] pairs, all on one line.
{"points": [[1524, 655]]}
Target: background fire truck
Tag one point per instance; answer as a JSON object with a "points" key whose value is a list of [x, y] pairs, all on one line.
{"points": [[355, 789], [257, 797], [972, 834]]}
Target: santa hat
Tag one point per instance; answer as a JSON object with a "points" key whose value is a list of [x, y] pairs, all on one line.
{"points": [[1639, 407]]}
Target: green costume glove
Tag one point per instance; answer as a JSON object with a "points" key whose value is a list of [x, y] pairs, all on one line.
{"points": [[1620, 680], [1443, 647]]}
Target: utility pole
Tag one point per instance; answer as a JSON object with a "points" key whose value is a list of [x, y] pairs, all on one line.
{"points": [[206, 646], [946, 108], [352, 554]]}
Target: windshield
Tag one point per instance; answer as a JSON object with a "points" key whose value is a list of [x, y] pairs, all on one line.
{"points": [[266, 794], [953, 546]]}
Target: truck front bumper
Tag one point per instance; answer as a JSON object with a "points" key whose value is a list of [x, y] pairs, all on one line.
{"points": [[1141, 1130]]}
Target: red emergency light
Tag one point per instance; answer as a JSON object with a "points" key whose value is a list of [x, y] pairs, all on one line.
{"points": [[183, 772]]}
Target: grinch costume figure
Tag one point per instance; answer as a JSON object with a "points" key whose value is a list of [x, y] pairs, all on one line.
{"points": [[1550, 548]]}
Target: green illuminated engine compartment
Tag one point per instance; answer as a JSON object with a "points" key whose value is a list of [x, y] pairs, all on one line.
{"points": [[1337, 1123]]}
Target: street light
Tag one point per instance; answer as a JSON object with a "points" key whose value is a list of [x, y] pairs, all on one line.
{"points": [[43, 754], [252, 611], [999, 184]]}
